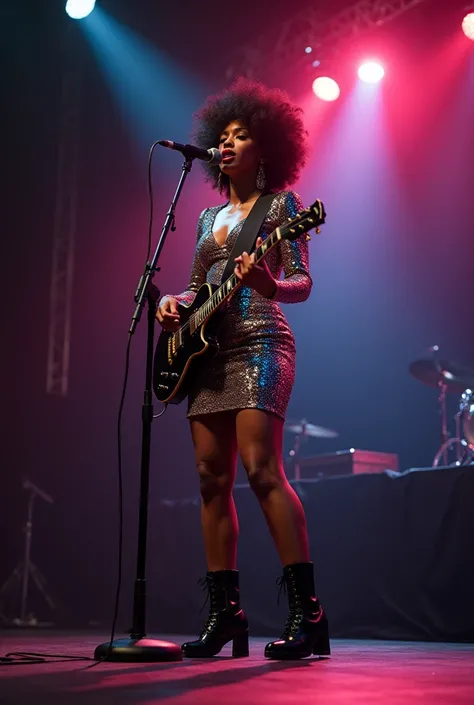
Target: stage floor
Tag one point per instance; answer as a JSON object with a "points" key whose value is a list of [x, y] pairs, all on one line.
{"points": [[362, 672]]}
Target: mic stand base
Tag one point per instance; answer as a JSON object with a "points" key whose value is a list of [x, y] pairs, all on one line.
{"points": [[140, 650]]}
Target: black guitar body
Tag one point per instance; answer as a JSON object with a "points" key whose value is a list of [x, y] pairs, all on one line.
{"points": [[172, 374]]}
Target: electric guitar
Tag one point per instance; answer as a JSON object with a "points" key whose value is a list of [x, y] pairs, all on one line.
{"points": [[178, 354]]}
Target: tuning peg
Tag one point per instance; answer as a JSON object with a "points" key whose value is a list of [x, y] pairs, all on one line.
{"points": [[307, 237]]}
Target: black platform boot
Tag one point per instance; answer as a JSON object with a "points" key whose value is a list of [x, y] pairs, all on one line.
{"points": [[226, 621], [306, 630]]}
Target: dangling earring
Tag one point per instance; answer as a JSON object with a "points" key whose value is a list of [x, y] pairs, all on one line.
{"points": [[219, 182], [261, 181]]}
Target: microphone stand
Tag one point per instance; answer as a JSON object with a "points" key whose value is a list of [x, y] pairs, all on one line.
{"points": [[137, 648], [26, 569]]}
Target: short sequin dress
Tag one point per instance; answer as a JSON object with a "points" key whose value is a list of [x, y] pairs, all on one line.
{"points": [[255, 366]]}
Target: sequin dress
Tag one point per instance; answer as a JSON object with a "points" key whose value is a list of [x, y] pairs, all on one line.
{"points": [[255, 366]]}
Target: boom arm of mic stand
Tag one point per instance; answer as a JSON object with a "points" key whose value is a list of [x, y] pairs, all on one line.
{"points": [[144, 285]]}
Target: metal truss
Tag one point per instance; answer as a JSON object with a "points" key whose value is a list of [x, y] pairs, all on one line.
{"points": [[284, 48], [64, 233]]}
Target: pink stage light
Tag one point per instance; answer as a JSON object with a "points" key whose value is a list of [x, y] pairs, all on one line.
{"points": [[371, 72], [326, 88], [468, 26]]}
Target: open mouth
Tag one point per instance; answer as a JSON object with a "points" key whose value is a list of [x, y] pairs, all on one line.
{"points": [[227, 156]]}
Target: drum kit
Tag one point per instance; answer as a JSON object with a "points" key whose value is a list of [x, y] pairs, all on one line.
{"points": [[450, 378], [446, 376]]}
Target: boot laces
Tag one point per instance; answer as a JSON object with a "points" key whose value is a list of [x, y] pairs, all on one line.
{"points": [[295, 615], [207, 584]]}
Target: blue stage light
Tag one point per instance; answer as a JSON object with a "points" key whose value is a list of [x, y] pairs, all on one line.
{"points": [[78, 9]]}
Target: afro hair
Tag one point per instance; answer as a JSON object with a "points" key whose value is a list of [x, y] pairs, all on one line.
{"points": [[271, 119]]}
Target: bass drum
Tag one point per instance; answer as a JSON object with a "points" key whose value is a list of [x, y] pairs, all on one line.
{"points": [[466, 409]]}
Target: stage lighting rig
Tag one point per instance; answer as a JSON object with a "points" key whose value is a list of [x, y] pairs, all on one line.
{"points": [[282, 50]]}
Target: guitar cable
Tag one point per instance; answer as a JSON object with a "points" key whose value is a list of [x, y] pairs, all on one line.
{"points": [[119, 429]]}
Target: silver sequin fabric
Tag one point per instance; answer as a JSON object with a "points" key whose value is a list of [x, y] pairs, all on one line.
{"points": [[255, 366]]}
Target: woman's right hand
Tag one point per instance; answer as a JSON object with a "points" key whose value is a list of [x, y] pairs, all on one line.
{"points": [[167, 314]]}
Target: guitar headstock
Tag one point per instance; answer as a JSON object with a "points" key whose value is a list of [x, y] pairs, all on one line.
{"points": [[304, 221]]}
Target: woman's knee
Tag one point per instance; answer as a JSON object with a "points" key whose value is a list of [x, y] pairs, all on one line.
{"points": [[214, 480], [264, 475]]}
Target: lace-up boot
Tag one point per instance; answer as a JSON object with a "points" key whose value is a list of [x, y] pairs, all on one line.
{"points": [[226, 621], [306, 629]]}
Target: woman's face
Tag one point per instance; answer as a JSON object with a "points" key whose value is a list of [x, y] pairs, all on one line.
{"points": [[241, 155]]}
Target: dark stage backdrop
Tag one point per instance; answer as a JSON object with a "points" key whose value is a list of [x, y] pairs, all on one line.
{"points": [[392, 270], [394, 558]]}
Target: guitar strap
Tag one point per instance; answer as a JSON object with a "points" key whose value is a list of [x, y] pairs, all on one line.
{"points": [[248, 235]]}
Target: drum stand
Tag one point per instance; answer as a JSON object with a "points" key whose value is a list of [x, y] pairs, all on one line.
{"points": [[26, 569], [444, 421], [446, 441]]}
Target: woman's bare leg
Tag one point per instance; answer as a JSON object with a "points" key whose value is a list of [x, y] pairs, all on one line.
{"points": [[259, 441], [215, 448]]}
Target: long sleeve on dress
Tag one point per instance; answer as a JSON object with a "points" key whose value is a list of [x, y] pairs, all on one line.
{"points": [[197, 276], [297, 283]]}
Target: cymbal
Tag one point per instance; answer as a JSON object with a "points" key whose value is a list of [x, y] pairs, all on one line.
{"points": [[433, 373], [309, 429]]}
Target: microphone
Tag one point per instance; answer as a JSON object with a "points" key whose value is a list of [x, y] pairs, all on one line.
{"points": [[211, 156]]}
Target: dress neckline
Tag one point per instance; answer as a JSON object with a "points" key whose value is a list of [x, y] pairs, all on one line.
{"points": [[229, 233]]}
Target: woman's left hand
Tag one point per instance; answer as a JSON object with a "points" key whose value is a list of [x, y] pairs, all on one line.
{"points": [[257, 276]]}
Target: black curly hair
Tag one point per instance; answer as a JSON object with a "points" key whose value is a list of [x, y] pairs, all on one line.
{"points": [[271, 119]]}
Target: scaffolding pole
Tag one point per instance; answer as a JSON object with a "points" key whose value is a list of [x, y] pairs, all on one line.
{"points": [[64, 232]]}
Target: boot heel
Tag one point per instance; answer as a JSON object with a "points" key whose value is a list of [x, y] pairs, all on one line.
{"points": [[321, 646], [240, 645]]}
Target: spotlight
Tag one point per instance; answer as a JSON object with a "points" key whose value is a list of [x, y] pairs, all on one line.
{"points": [[371, 72], [326, 88], [468, 26], [78, 9]]}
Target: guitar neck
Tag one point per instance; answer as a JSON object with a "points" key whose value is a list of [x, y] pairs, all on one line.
{"points": [[231, 284]]}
